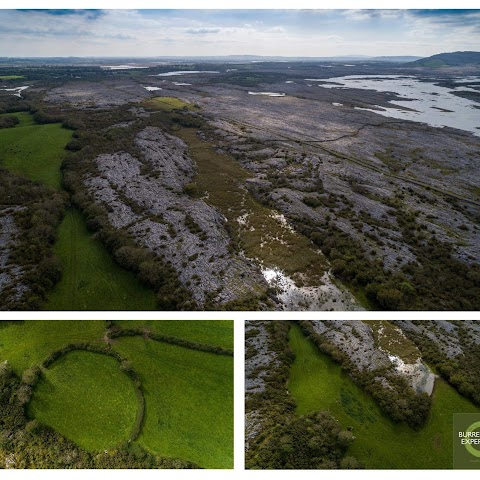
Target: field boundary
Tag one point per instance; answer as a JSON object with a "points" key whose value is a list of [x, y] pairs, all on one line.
{"points": [[125, 366], [133, 332]]}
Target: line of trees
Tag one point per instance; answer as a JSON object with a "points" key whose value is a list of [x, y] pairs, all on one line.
{"points": [[37, 212]]}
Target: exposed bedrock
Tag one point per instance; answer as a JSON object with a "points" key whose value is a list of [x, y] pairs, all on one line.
{"points": [[145, 197]]}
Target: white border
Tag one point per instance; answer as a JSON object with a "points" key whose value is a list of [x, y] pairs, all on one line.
{"points": [[241, 4], [239, 373]]}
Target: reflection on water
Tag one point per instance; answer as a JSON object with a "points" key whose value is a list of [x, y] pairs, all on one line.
{"points": [[426, 102]]}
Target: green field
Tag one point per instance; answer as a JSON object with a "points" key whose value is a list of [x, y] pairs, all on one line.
{"points": [[91, 280], [167, 104], [211, 332], [85, 396], [87, 399], [317, 383], [28, 343], [34, 151], [186, 391], [11, 77]]}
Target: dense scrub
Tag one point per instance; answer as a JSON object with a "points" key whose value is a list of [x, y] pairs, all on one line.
{"points": [[312, 441], [436, 280], [400, 402], [37, 211]]}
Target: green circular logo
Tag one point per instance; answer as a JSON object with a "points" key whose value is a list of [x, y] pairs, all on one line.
{"points": [[469, 447]]}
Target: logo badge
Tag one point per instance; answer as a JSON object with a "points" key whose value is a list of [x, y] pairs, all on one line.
{"points": [[466, 440]]}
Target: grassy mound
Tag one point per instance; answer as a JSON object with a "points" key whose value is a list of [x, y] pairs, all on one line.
{"points": [[318, 384], [189, 401], [88, 399]]}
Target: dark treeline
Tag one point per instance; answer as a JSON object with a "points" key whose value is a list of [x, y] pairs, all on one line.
{"points": [[288, 440], [25, 443], [400, 402], [9, 121], [116, 332], [461, 371], [37, 211]]}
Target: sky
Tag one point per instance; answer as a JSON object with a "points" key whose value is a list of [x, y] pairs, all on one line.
{"points": [[143, 33]]}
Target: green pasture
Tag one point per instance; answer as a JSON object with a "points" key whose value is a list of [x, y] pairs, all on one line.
{"points": [[167, 104], [85, 396], [27, 343], [189, 401], [88, 399], [318, 384], [34, 151], [210, 332], [91, 280]]}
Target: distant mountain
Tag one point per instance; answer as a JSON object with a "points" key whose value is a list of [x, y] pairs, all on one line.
{"points": [[453, 59], [399, 58]]}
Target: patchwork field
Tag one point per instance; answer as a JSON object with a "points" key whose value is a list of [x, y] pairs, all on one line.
{"points": [[317, 383], [95, 399], [211, 332]]}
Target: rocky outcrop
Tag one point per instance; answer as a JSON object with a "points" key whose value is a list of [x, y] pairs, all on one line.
{"points": [[145, 196]]}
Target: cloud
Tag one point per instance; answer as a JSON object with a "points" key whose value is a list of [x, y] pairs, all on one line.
{"points": [[226, 32], [335, 38], [203, 30]]}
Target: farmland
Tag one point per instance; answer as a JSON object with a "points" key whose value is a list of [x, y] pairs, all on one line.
{"points": [[168, 405]]}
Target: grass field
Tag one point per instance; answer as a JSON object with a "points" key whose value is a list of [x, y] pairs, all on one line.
{"points": [[211, 332], [188, 393], [88, 399], [317, 383], [189, 399], [91, 280], [35, 151], [28, 343], [11, 77], [167, 104]]}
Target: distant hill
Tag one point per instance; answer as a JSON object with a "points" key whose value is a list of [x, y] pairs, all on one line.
{"points": [[453, 59]]}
